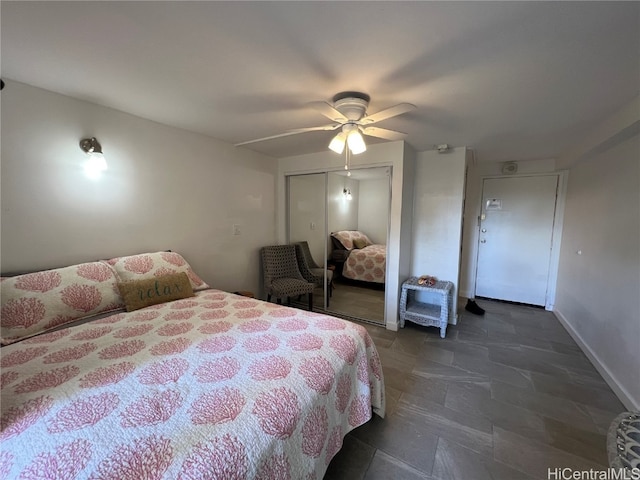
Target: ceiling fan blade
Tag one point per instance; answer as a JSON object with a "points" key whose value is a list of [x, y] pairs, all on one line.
{"points": [[383, 133], [387, 113], [328, 111], [290, 132], [332, 126]]}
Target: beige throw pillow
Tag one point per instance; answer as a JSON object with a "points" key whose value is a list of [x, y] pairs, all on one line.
{"points": [[359, 243], [152, 291]]}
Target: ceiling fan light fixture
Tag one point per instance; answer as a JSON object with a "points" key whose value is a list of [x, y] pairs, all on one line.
{"points": [[349, 112], [337, 143], [356, 142]]}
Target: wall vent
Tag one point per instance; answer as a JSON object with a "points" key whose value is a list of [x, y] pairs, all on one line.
{"points": [[509, 168]]}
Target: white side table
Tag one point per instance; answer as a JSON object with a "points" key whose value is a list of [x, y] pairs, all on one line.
{"points": [[426, 313]]}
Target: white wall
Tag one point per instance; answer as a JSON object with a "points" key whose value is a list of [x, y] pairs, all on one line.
{"points": [[598, 290], [437, 216], [165, 189], [373, 208]]}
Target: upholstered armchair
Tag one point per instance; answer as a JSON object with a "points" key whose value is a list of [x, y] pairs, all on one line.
{"points": [[310, 270], [282, 277]]}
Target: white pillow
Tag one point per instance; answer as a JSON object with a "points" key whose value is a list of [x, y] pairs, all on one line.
{"points": [[35, 302], [346, 238], [149, 265]]}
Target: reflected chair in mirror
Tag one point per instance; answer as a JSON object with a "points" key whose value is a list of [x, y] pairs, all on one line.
{"points": [[310, 270], [282, 277]]}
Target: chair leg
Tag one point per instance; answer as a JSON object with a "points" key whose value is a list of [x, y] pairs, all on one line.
{"points": [[310, 301], [268, 297], [279, 301]]}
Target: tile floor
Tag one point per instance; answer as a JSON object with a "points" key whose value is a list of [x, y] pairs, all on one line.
{"points": [[503, 396], [349, 300]]}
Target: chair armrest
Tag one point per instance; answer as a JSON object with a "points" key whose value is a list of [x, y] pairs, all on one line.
{"points": [[305, 271]]}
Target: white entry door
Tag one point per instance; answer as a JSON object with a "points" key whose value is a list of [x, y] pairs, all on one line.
{"points": [[516, 229]]}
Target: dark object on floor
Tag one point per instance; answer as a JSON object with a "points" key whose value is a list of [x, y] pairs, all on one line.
{"points": [[474, 308]]}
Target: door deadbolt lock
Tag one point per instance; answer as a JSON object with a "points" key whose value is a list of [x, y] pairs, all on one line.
{"points": [[484, 230], [483, 241]]}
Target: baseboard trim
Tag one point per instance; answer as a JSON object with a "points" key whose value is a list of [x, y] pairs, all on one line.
{"points": [[618, 389], [466, 294]]}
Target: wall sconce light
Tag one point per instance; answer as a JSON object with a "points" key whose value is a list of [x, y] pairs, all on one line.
{"points": [[347, 193], [96, 163]]}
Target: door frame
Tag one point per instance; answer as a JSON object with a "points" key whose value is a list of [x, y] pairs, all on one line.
{"points": [[556, 234]]}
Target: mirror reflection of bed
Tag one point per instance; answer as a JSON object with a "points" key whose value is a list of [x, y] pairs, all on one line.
{"points": [[345, 221], [360, 269]]}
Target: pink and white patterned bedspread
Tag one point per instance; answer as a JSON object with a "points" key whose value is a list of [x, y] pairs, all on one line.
{"points": [[216, 386], [367, 264]]}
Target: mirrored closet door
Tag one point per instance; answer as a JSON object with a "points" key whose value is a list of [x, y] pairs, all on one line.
{"points": [[344, 218], [308, 228], [358, 221]]}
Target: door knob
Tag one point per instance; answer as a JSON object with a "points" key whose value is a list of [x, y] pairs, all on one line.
{"points": [[483, 241], [484, 230]]}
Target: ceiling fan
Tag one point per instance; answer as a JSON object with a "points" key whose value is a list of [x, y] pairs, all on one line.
{"points": [[349, 110]]}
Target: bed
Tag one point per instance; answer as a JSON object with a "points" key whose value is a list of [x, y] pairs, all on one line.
{"points": [[209, 385], [363, 260]]}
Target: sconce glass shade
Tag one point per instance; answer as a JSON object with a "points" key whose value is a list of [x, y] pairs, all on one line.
{"points": [[337, 143], [356, 142], [96, 163]]}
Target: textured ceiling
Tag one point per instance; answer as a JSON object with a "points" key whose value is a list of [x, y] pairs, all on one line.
{"points": [[512, 80]]}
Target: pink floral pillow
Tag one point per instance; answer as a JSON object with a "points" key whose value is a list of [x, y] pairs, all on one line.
{"points": [[347, 237], [36, 302], [149, 265]]}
